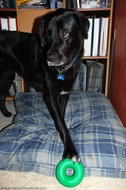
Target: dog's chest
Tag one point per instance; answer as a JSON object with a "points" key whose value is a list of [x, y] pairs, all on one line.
{"points": [[64, 92]]}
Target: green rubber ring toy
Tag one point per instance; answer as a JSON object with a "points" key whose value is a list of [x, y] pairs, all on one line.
{"points": [[69, 180]]}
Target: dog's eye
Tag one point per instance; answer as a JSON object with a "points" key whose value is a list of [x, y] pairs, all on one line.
{"points": [[66, 34], [48, 36]]}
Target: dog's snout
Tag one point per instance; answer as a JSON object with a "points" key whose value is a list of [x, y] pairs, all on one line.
{"points": [[51, 58]]}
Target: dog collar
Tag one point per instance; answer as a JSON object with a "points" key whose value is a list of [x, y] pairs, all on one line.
{"points": [[60, 76], [74, 60]]}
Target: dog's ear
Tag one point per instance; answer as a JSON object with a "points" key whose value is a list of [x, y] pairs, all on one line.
{"points": [[41, 34], [83, 23]]}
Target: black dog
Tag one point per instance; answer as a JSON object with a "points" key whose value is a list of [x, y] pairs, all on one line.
{"points": [[50, 62]]}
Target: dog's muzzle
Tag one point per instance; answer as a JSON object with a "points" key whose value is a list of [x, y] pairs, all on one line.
{"points": [[53, 64]]}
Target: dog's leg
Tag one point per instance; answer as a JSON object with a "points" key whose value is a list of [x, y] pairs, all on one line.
{"points": [[54, 108], [6, 79], [63, 99]]}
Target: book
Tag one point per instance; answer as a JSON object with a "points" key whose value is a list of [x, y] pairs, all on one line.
{"points": [[70, 4], [12, 24], [8, 4], [59, 4], [93, 3], [34, 4], [4, 23], [108, 3], [12, 3], [52, 4], [80, 83], [87, 42], [96, 33], [8, 23], [5, 3], [103, 36], [73, 4], [12, 90], [55, 4], [76, 4], [16, 87], [95, 71]]}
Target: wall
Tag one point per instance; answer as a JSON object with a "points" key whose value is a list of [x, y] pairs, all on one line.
{"points": [[118, 75]]}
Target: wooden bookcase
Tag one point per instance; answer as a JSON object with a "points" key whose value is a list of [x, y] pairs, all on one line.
{"points": [[27, 17]]}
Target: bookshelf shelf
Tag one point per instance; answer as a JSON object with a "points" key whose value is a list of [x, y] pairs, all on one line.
{"points": [[94, 9], [9, 98], [95, 57], [7, 10]]}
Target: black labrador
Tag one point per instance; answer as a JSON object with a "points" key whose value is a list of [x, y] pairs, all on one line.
{"points": [[49, 61]]}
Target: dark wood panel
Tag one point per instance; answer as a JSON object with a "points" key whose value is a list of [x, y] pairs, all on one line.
{"points": [[118, 77]]}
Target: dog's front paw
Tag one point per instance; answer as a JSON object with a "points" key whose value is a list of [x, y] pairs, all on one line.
{"points": [[73, 156]]}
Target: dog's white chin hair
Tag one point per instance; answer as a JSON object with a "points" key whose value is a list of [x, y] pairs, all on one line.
{"points": [[50, 64]]}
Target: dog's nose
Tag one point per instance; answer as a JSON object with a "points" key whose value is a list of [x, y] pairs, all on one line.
{"points": [[51, 58]]}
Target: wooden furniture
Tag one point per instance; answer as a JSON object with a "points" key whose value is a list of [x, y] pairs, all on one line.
{"points": [[27, 17], [117, 93]]}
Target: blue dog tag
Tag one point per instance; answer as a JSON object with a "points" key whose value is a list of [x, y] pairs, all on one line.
{"points": [[60, 77]]}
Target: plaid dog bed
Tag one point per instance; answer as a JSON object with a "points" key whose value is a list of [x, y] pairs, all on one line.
{"points": [[31, 142]]}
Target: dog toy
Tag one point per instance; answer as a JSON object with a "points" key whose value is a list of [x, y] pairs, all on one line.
{"points": [[69, 180]]}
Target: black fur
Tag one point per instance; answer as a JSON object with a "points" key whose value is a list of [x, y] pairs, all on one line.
{"points": [[39, 59]]}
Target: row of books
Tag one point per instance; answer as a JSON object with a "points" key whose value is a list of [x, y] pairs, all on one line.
{"points": [[78, 4], [91, 77], [7, 3], [56, 4], [95, 76], [8, 23], [96, 44], [36, 4]]}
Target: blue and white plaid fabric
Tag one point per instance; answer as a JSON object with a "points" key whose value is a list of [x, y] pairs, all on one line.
{"points": [[31, 143]]}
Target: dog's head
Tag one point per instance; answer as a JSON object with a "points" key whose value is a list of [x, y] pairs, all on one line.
{"points": [[62, 33]]}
